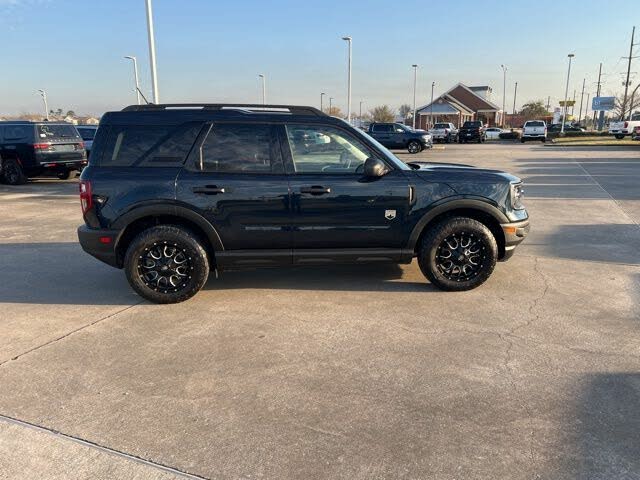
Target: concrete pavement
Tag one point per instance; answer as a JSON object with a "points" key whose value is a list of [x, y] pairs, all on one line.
{"points": [[335, 372]]}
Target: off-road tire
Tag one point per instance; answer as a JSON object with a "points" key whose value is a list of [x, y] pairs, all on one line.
{"points": [[431, 246], [171, 237], [12, 172]]}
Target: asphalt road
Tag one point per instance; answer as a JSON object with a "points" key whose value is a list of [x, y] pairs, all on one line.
{"points": [[335, 372]]}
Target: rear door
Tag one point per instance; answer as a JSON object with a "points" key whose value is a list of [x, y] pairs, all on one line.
{"points": [[333, 205], [235, 178]]}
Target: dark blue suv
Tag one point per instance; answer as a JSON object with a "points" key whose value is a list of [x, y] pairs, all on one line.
{"points": [[173, 191]]}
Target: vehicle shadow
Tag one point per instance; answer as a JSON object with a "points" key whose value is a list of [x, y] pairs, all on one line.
{"points": [[42, 187], [61, 273]]}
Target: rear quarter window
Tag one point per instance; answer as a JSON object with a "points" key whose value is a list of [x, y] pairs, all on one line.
{"points": [[146, 146]]}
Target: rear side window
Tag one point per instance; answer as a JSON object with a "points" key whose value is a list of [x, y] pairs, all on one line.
{"points": [[53, 131], [148, 146], [16, 132], [240, 148], [441, 125]]}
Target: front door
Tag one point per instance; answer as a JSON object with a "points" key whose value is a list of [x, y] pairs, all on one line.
{"points": [[235, 178], [333, 204]]}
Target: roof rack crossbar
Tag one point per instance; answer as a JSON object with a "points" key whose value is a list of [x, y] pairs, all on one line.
{"points": [[249, 108]]}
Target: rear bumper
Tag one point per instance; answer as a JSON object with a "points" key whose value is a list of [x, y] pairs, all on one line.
{"points": [[100, 244], [514, 234]]}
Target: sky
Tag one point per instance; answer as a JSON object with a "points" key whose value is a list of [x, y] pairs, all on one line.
{"points": [[212, 50]]}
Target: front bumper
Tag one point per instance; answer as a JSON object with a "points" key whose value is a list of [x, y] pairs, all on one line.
{"points": [[100, 243], [514, 234]]}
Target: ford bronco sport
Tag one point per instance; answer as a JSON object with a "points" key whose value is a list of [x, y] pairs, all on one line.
{"points": [[174, 191]]}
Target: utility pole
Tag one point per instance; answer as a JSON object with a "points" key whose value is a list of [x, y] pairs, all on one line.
{"points": [[515, 93], [574, 102], [264, 88], [330, 103], [322, 94], [566, 92], [626, 83], [361, 101], [415, 79], [597, 95], [586, 111], [581, 100], [433, 84], [548, 103], [504, 91], [152, 53], [349, 41]]}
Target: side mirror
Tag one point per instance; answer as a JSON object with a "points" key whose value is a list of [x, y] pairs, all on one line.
{"points": [[374, 167]]}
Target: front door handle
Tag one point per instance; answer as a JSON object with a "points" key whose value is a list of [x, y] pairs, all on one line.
{"points": [[315, 190], [208, 190]]}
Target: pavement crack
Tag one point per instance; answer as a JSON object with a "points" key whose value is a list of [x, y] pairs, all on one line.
{"points": [[62, 337], [102, 448]]}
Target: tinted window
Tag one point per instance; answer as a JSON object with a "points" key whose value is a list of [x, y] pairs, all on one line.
{"points": [[441, 125], [383, 128], [51, 131], [87, 133], [238, 148], [17, 132], [148, 146], [320, 149], [534, 124]]}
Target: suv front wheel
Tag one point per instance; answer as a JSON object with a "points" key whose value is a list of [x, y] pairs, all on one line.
{"points": [[457, 254], [166, 264], [414, 146]]}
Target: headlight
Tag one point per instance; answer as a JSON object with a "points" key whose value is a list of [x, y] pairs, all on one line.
{"points": [[426, 137], [517, 192]]}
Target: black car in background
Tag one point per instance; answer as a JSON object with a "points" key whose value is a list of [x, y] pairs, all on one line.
{"points": [[30, 149], [87, 132], [172, 192], [399, 136], [472, 131]]}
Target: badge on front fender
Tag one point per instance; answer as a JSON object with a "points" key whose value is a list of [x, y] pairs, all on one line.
{"points": [[389, 214]]}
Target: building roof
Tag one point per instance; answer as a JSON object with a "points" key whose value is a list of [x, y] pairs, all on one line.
{"points": [[463, 99]]}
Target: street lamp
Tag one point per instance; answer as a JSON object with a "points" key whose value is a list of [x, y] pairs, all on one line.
{"points": [[321, 95], [415, 78], [135, 76], [330, 103], [566, 92], [349, 41], [264, 88], [43, 94], [361, 102], [504, 91], [515, 94], [433, 84], [152, 53]]}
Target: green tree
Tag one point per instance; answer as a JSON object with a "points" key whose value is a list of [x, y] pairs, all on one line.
{"points": [[534, 109], [383, 113], [70, 113], [405, 110]]}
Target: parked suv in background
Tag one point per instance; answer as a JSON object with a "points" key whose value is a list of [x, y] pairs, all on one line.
{"points": [[534, 130], [174, 191], [445, 132], [397, 135], [29, 149], [87, 132], [472, 131]]}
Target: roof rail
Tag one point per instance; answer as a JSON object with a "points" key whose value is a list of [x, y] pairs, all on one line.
{"points": [[243, 108]]}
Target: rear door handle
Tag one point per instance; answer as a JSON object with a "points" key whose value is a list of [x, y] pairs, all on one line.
{"points": [[209, 190], [315, 190]]}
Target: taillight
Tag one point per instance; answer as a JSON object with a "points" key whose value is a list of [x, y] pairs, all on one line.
{"points": [[79, 146], [41, 146], [86, 200], [626, 124]]}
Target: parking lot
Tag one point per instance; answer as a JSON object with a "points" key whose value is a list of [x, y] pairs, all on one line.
{"points": [[335, 372]]}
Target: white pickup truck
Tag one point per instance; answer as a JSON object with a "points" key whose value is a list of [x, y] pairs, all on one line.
{"points": [[445, 132], [624, 127], [534, 130]]}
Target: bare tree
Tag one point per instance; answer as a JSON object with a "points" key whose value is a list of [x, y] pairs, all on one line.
{"points": [[405, 110], [382, 113], [335, 112], [633, 104]]}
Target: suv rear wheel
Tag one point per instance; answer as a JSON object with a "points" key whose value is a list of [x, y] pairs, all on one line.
{"points": [[458, 253], [12, 172], [166, 264]]}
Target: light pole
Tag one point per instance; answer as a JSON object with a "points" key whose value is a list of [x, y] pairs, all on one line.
{"points": [[264, 88], [566, 93], [322, 94], [504, 91], [330, 104], [135, 76], [515, 93], [349, 41], [360, 115], [43, 94], [415, 79], [433, 84], [152, 53]]}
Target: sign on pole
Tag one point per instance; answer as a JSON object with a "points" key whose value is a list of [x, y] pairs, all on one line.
{"points": [[603, 103], [570, 103]]}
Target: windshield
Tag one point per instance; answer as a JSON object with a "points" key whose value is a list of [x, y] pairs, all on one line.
{"points": [[441, 125], [395, 161], [534, 124], [49, 131]]}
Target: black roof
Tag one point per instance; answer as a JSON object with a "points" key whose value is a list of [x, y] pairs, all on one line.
{"points": [[184, 112], [29, 122]]}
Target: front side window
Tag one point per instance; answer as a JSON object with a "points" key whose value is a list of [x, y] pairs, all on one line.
{"points": [[239, 148], [323, 149]]}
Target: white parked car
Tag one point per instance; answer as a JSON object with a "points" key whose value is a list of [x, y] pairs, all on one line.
{"points": [[534, 130], [493, 133]]}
